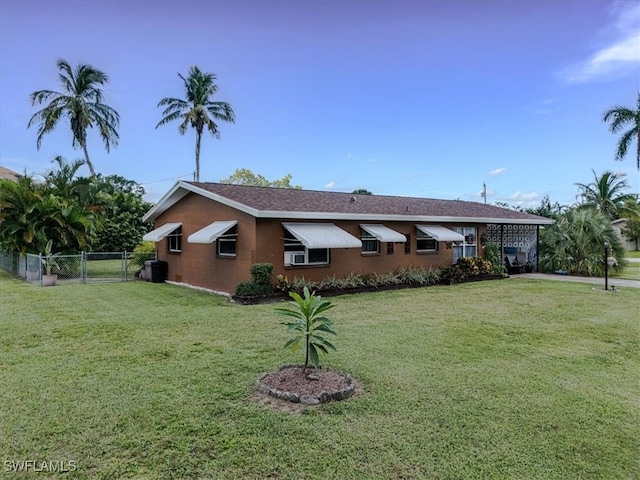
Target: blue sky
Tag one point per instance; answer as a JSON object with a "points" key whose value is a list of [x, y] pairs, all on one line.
{"points": [[419, 98]]}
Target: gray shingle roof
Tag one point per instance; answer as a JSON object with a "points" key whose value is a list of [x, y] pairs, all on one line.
{"points": [[313, 201]]}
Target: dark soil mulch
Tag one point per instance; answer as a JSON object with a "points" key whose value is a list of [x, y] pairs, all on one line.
{"points": [[317, 386]]}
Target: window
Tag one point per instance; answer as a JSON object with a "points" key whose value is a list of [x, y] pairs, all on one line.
{"points": [[295, 253], [370, 244], [468, 248], [175, 240], [227, 243], [425, 243]]}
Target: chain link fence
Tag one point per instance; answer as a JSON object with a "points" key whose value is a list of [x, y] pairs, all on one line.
{"points": [[87, 267]]}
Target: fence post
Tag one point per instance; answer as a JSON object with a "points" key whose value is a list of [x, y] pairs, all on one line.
{"points": [[40, 267], [83, 267], [124, 259]]}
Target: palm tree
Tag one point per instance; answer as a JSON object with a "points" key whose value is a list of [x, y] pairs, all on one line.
{"points": [[198, 110], [82, 103], [620, 117], [575, 244], [605, 194]]}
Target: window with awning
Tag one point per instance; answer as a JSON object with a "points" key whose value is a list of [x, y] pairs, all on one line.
{"points": [[440, 234], [161, 232], [322, 235], [212, 232], [383, 233]]}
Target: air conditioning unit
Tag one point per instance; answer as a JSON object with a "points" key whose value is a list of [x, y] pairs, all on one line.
{"points": [[294, 258]]}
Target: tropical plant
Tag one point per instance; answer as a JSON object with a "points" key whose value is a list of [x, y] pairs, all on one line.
{"points": [[50, 259], [198, 110], [605, 195], [492, 254], [81, 102], [32, 212], [575, 244], [309, 326], [141, 253], [244, 176]]}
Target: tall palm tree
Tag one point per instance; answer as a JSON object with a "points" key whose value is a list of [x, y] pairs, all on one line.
{"points": [[198, 110], [620, 117], [81, 101], [605, 194]]}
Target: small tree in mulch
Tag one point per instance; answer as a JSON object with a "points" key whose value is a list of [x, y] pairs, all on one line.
{"points": [[309, 326]]}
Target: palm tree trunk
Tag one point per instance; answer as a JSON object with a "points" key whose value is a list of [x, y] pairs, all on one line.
{"points": [[86, 159], [638, 147], [198, 139]]}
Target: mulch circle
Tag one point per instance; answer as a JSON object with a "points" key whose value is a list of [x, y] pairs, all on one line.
{"points": [[318, 386]]}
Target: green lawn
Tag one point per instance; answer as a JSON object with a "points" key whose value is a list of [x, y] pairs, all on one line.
{"points": [[510, 379]]}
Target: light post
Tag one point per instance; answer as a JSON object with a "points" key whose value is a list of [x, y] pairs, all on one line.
{"points": [[606, 265]]}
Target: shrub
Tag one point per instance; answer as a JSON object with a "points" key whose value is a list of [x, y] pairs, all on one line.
{"points": [[261, 273], [260, 284], [252, 289]]}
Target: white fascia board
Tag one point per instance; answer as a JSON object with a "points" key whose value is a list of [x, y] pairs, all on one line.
{"points": [[175, 194]]}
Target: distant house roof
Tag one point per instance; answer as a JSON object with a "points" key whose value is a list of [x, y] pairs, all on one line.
{"points": [[6, 174], [267, 202]]}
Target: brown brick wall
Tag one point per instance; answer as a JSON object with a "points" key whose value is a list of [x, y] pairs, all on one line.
{"points": [[198, 264]]}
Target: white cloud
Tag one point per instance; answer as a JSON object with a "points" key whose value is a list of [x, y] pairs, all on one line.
{"points": [[330, 185], [621, 54], [497, 171], [524, 199]]}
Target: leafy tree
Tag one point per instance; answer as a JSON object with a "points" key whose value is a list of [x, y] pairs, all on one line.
{"points": [[362, 191], [123, 208], [605, 194], [244, 176], [620, 117], [81, 102], [308, 326], [197, 110], [547, 209], [575, 243]]}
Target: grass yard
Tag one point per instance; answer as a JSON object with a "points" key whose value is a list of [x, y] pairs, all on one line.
{"points": [[511, 379]]}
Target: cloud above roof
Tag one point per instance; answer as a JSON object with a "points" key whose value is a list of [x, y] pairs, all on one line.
{"points": [[618, 56]]}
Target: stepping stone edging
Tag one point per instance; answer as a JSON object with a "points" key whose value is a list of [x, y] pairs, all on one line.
{"points": [[323, 397]]}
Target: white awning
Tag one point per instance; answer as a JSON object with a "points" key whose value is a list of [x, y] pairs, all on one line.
{"points": [[322, 235], [210, 233], [441, 234], [160, 232], [382, 233]]}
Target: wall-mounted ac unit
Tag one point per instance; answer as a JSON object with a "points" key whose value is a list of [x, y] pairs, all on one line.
{"points": [[294, 258]]}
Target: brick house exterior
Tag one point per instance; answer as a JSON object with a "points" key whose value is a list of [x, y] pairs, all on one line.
{"points": [[210, 234]]}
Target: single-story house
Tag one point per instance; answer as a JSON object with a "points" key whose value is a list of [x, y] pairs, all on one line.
{"points": [[628, 244], [210, 234]]}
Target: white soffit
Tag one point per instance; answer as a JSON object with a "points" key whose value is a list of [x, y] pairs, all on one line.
{"points": [[441, 234], [160, 232], [382, 233], [210, 233], [322, 235]]}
